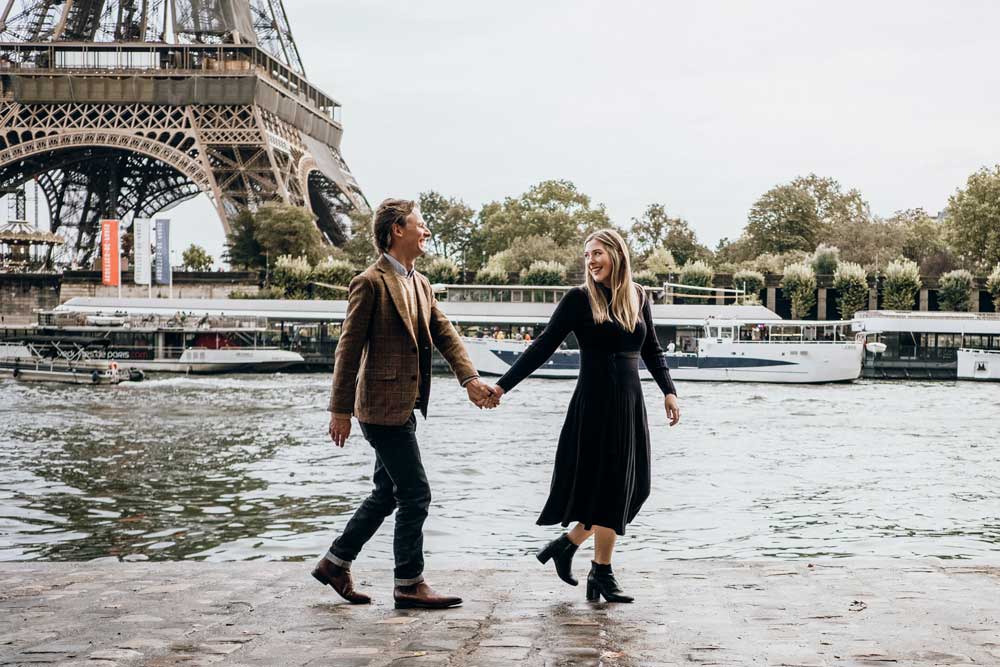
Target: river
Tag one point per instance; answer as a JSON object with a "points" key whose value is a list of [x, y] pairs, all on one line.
{"points": [[240, 467]]}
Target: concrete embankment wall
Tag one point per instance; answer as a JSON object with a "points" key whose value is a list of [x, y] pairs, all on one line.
{"points": [[21, 294]]}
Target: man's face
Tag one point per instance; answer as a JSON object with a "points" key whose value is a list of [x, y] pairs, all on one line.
{"points": [[412, 239]]}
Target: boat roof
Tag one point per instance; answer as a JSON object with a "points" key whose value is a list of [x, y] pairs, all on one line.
{"points": [[878, 321], [460, 312]]}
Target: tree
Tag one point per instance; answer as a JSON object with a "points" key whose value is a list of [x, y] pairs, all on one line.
{"points": [[902, 282], [452, 223], [555, 209], [655, 229], [282, 229], [783, 219], [993, 285], [751, 281], [696, 273], [196, 258], [870, 243], [661, 262], [955, 290], [974, 219], [851, 283], [799, 284], [833, 205], [360, 247], [544, 273], [441, 270], [242, 248], [825, 259]]}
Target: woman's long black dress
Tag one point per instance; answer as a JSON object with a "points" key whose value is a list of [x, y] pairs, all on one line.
{"points": [[601, 474]]}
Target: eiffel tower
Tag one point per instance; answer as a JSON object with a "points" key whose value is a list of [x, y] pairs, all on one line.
{"points": [[123, 108]]}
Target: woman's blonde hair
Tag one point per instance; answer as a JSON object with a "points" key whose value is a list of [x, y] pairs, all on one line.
{"points": [[624, 306]]}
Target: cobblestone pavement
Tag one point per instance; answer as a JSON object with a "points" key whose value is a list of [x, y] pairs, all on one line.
{"points": [[841, 612]]}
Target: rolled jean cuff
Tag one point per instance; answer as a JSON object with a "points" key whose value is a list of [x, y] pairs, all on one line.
{"points": [[409, 582], [339, 562]]}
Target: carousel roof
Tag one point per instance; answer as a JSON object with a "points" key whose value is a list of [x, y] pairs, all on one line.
{"points": [[20, 231]]}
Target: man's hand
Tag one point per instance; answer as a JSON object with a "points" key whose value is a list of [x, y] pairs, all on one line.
{"points": [[673, 409], [482, 394], [340, 428]]}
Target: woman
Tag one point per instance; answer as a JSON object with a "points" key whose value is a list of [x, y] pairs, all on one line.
{"points": [[601, 475]]}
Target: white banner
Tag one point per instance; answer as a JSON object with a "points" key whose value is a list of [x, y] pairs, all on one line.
{"points": [[143, 255]]}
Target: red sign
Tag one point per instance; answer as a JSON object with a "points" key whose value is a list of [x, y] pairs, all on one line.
{"points": [[110, 270]]}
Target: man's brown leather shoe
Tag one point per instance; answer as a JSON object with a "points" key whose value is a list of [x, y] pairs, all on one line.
{"points": [[339, 580], [422, 596]]}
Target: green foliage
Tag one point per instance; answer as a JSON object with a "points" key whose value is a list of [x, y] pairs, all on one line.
{"points": [[661, 262], [242, 248], [833, 205], [993, 285], [851, 283], [901, 284], [441, 270], [776, 263], [696, 273], [655, 229], [868, 242], [555, 209], [974, 219], [196, 258], [544, 273], [526, 250], [783, 219], [739, 251], [799, 284], [955, 290], [332, 271], [282, 229], [492, 275], [360, 247], [452, 223], [292, 275], [924, 240], [751, 281], [825, 259], [646, 278]]}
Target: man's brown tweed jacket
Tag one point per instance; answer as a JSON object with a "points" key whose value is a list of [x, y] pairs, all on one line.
{"points": [[382, 366]]}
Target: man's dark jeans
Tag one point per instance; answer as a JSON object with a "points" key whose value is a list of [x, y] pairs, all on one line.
{"points": [[401, 485]]}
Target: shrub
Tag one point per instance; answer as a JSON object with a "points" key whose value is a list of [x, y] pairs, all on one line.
{"points": [[751, 281], [993, 285], [902, 282], [774, 263], [851, 283], [955, 290], [544, 273], [442, 270], [661, 262], [332, 272], [696, 273], [799, 284], [492, 275], [825, 259], [292, 275], [263, 293], [646, 278]]}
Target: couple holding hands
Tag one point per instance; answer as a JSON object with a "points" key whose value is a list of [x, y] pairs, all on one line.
{"points": [[382, 374]]}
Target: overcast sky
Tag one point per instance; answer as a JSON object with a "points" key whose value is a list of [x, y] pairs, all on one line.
{"points": [[701, 106]]}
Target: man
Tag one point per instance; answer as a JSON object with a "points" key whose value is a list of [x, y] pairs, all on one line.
{"points": [[381, 373]]}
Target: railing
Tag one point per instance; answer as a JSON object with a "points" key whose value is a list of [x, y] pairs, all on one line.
{"points": [[512, 293], [922, 314]]}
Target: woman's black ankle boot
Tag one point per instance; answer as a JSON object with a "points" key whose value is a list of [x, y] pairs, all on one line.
{"points": [[601, 581], [561, 550]]}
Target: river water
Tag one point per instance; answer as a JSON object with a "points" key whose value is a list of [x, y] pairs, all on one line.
{"points": [[240, 467]]}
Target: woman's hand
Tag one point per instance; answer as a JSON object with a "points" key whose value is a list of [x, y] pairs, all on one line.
{"points": [[673, 409]]}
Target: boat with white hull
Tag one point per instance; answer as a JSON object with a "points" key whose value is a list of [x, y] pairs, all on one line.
{"points": [[783, 352], [979, 364]]}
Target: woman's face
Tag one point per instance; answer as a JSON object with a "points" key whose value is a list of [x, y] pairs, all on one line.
{"points": [[598, 262]]}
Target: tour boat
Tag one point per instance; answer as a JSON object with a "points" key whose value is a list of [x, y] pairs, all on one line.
{"points": [[780, 351]]}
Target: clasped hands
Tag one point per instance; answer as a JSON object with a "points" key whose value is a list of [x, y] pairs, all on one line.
{"points": [[484, 395]]}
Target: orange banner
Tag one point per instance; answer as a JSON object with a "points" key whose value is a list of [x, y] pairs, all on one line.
{"points": [[110, 270]]}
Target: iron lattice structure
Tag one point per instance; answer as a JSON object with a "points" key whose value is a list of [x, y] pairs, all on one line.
{"points": [[124, 108]]}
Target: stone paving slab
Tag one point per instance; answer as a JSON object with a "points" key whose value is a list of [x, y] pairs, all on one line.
{"points": [[832, 612]]}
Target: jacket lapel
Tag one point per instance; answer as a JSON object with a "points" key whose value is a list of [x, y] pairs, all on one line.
{"points": [[423, 306], [396, 292]]}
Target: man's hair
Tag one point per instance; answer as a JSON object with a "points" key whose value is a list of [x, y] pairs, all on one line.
{"points": [[390, 212]]}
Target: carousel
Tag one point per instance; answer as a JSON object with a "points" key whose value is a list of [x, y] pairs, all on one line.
{"points": [[18, 241]]}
